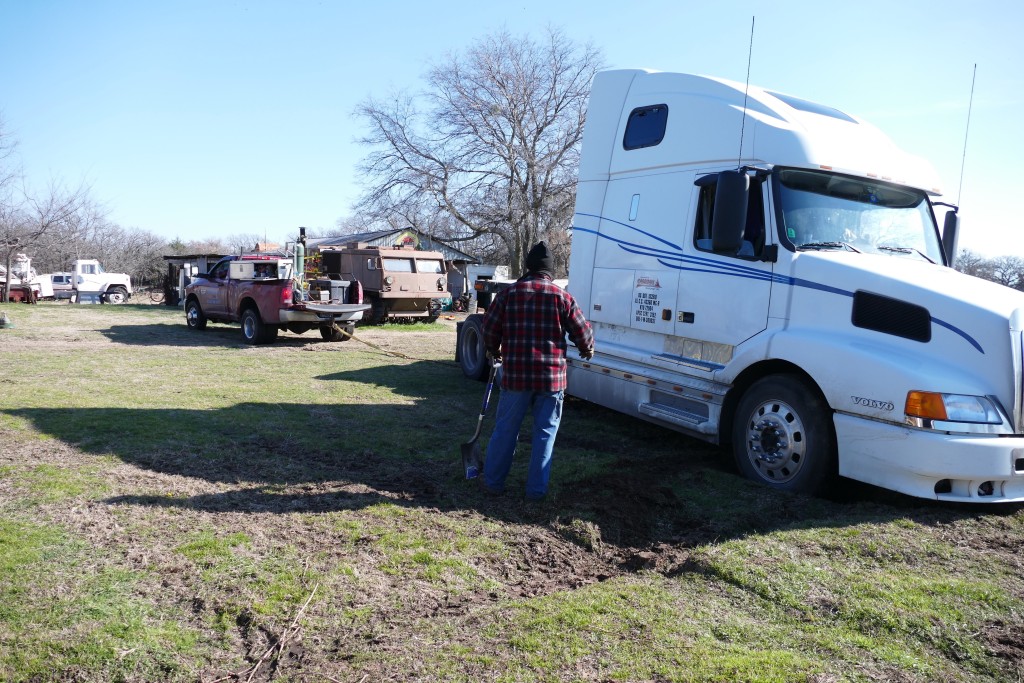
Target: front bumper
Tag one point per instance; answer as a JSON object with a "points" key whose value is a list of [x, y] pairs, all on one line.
{"points": [[929, 464]]}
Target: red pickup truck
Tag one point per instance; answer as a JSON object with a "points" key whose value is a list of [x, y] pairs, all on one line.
{"points": [[258, 292]]}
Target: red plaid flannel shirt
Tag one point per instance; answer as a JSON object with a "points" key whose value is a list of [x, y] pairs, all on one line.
{"points": [[527, 324]]}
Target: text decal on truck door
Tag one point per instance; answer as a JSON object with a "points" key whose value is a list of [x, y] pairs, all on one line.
{"points": [[646, 300]]}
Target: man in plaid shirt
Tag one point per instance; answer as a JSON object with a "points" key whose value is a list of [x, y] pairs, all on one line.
{"points": [[526, 326]]}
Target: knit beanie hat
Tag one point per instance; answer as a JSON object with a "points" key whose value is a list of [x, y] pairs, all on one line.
{"points": [[539, 259]]}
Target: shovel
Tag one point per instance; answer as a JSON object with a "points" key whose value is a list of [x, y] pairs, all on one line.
{"points": [[471, 459]]}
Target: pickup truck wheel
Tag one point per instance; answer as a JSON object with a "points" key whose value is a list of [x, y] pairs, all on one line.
{"points": [[116, 295], [194, 316], [253, 329], [472, 355], [782, 436]]}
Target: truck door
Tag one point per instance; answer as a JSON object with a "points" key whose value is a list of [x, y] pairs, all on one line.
{"points": [[215, 297], [643, 224], [723, 298]]}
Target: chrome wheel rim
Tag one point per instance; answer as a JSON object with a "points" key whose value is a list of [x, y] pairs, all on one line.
{"points": [[776, 441]]}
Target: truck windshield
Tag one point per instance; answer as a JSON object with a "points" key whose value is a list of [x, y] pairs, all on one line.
{"points": [[428, 266], [829, 211], [397, 265]]}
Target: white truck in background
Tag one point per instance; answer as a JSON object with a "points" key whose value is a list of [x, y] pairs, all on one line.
{"points": [[89, 282], [765, 272]]}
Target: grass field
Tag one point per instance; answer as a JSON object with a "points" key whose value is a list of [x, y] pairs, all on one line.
{"points": [[178, 506]]}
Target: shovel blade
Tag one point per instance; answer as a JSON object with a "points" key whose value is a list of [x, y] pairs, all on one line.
{"points": [[472, 462]]}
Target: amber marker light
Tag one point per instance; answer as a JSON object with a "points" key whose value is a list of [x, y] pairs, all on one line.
{"points": [[925, 404]]}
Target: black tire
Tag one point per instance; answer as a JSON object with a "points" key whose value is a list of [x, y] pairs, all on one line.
{"points": [[194, 316], [332, 334], [115, 295], [378, 313], [434, 308], [472, 354], [782, 436], [253, 329]]}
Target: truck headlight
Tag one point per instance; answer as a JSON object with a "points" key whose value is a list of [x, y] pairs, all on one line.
{"points": [[931, 406]]}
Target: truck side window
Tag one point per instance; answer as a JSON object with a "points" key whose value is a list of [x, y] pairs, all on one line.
{"points": [[221, 270], [753, 234], [645, 126]]}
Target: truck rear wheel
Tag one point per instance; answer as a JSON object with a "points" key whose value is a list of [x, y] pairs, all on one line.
{"points": [[253, 329], [782, 436], [472, 354]]}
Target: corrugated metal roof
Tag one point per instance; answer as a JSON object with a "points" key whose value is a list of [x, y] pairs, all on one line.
{"points": [[390, 238]]}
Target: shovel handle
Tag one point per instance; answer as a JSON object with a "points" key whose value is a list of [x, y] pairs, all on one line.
{"points": [[490, 386]]}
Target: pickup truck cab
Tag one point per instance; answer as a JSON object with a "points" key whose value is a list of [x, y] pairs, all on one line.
{"points": [[259, 293]]}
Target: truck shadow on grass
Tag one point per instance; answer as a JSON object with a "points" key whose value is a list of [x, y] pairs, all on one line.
{"points": [[215, 335]]}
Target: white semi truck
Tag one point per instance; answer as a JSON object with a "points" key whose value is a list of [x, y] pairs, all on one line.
{"points": [[791, 297]]}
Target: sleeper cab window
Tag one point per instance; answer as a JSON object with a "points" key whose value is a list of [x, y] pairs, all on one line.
{"points": [[753, 233], [645, 126]]}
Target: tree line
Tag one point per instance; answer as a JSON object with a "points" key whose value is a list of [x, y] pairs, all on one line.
{"points": [[1006, 270], [484, 157]]}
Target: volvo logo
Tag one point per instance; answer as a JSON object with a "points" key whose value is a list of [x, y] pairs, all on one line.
{"points": [[873, 403]]}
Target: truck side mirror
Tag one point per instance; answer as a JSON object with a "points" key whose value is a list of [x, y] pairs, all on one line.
{"points": [[950, 236], [730, 218]]}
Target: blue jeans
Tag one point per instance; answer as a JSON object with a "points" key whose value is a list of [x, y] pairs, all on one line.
{"points": [[512, 407]]}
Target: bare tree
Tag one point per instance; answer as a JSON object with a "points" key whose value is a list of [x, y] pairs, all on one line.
{"points": [[70, 239], [1007, 270], [243, 242], [26, 220], [969, 263], [493, 143]]}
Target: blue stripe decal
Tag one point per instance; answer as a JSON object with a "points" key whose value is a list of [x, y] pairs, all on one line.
{"points": [[957, 330], [699, 264]]}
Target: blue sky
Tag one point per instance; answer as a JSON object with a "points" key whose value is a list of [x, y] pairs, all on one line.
{"points": [[197, 118]]}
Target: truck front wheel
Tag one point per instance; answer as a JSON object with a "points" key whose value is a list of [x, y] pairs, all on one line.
{"points": [[194, 316], [782, 436], [253, 329], [116, 295]]}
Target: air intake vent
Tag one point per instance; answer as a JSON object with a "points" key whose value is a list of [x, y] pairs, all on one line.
{"points": [[891, 316]]}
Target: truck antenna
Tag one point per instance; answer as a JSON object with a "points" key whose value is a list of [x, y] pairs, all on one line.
{"points": [[746, 88], [963, 159]]}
